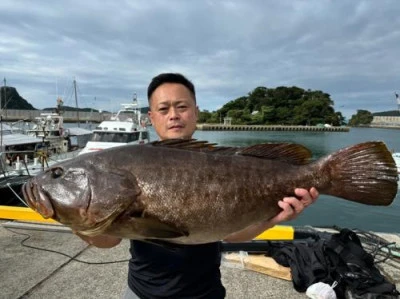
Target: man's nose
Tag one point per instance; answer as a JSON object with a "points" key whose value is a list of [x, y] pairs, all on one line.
{"points": [[173, 113]]}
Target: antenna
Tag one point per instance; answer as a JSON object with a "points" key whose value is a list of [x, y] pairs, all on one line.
{"points": [[1, 98], [76, 102], [134, 99]]}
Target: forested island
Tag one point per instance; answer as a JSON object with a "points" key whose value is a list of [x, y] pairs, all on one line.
{"points": [[281, 105]]}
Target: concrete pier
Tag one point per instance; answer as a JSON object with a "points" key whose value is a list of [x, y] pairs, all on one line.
{"points": [[221, 127], [28, 272]]}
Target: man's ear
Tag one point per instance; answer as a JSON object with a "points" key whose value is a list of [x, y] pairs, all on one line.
{"points": [[197, 112]]}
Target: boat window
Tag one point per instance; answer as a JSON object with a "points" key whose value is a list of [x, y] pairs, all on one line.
{"points": [[144, 135], [133, 136], [115, 137]]}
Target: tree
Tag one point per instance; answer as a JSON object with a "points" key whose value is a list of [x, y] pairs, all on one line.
{"points": [[362, 117], [238, 104], [257, 98], [203, 116]]}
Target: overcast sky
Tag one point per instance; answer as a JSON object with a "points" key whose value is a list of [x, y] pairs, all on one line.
{"points": [[348, 49]]}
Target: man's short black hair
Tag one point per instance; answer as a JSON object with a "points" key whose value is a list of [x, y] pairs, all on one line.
{"points": [[169, 78]]}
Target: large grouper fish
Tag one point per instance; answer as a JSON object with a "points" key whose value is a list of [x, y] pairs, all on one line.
{"points": [[191, 192]]}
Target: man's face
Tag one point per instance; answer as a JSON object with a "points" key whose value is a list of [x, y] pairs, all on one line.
{"points": [[173, 111]]}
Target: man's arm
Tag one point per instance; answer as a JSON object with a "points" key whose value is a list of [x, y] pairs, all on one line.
{"points": [[101, 241], [291, 208]]}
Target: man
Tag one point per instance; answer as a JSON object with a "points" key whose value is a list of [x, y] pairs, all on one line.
{"points": [[185, 271]]}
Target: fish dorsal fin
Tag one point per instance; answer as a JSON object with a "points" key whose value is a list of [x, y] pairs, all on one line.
{"points": [[197, 145], [285, 152], [188, 144]]}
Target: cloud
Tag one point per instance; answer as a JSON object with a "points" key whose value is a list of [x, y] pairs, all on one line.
{"points": [[227, 48]]}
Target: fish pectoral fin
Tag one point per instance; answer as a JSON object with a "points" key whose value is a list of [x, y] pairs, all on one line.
{"points": [[154, 228]]}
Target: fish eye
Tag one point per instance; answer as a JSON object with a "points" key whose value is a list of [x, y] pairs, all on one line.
{"points": [[57, 172]]}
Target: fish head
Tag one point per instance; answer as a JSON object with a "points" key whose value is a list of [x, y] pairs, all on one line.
{"points": [[81, 195]]}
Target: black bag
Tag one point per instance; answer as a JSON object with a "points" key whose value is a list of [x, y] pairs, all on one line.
{"points": [[339, 257], [355, 267]]}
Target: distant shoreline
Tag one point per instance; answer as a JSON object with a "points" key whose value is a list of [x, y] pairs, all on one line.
{"points": [[221, 127]]}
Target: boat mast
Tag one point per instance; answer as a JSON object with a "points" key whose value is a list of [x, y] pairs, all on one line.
{"points": [[1, 114], [76, 102], [1, 98], [135, 102]]}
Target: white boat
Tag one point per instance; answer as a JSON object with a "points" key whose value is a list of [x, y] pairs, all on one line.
{"points": [[128, 126], [396, 157]]}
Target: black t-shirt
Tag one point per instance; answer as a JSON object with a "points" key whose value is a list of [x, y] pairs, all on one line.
{"points": [[175, 271]]}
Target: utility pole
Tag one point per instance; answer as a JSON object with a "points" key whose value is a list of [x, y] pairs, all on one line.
{"points": [[76, 103]]}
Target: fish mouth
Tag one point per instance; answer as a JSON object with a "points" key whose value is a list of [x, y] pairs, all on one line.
{"points": [[37, 199]]}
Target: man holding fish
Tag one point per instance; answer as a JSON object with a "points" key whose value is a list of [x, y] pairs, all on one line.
{"points": [[177, 270]]}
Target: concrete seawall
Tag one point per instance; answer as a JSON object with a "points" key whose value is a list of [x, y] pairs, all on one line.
{"points": [[69, 116], [96, 117], [219, 127]]}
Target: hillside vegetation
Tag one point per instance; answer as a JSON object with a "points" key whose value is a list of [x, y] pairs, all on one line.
{"points": [[281, 105]]}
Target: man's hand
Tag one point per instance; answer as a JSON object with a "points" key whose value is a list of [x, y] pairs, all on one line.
{"points": [[293, 206]]}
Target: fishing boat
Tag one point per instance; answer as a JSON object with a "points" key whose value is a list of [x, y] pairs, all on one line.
{"points": [[128, 126], [16, 148], [50, 128], [45, 142]]}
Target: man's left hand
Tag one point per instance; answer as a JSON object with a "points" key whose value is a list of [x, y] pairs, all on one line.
{"points": [[294, 205]]}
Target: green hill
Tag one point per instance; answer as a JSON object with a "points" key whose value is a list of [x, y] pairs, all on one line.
{"points": [[10, 99]]}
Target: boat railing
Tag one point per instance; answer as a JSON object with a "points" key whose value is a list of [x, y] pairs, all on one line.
{"points": [[21, 162], [63, 156], [3, 165]]}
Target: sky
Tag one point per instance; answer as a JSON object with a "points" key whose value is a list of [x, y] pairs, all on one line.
{"points": [[227, 48]]}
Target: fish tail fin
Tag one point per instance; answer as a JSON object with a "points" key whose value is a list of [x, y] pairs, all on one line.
{"points": [[364, 173]]}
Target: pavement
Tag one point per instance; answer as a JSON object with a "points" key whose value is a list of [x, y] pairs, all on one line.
{"points": [[27, 272]]}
